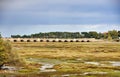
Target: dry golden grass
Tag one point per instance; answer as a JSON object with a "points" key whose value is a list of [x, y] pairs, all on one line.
{"points": [[87, 51]]}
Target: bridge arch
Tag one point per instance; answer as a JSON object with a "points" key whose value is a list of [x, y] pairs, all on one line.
{"points": [[53, 40], [82, 41], [71, 41], [28, 40], [65, 40], [34, 40], [47, 40], [41, 40], [88, 40], [22, 40], [59, 40], [14, 40]]}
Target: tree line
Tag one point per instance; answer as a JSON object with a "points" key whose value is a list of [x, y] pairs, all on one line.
{"points": [[113, 34]]}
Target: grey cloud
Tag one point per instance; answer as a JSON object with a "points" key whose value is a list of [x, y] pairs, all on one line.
{"points": [[22, 4]]}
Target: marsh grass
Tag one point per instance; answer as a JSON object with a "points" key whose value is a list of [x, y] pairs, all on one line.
{"points": [[68, 53], [87, 51]]}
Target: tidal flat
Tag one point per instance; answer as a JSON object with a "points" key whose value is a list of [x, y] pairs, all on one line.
{"points": [[68, 59]]}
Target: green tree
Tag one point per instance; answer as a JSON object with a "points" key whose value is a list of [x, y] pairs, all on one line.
{"points": [[105, 35], [85, 34], [93, 34], [100, 35], [109, 37], [15, 36], [114, 34]]}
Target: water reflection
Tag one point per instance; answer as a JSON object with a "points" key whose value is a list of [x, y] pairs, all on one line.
{"points": [[47, 68], [115, 63]]}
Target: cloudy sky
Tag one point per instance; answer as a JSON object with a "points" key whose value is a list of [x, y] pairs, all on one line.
{"points": [[34, 16]]}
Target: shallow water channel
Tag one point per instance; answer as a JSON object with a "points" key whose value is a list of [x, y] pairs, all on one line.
{"points": [[47, 68]]}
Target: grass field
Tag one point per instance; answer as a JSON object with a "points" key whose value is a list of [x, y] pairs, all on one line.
{"points": [[87, 58], [87, 51]]}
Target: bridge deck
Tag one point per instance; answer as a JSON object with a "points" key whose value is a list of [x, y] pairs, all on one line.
{"points": [[50, 40]]}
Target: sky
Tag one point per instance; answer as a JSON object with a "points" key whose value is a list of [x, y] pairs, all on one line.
{"points": [[34, 16]]}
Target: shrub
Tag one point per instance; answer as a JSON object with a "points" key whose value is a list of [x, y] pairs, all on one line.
{"points": [[7, 55]]}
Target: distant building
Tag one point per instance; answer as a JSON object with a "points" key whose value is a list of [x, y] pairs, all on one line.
{"points": [[105, 33]]}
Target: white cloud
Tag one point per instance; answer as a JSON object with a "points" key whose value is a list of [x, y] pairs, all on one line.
{"points": [[92, 26], [102, 27]]}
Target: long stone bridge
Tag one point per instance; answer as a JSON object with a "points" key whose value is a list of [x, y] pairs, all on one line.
{"points": [[50, 40]]}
